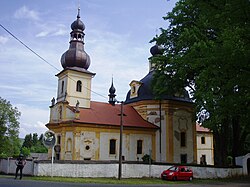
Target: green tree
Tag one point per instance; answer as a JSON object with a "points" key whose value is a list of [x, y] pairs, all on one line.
{"points": [[33, 144], [25, 151], [9, 128], [207, 50], [28, 141], [35, 139]]}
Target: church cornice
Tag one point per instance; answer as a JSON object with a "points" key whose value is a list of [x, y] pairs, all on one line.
{"points": [[77, 69]]}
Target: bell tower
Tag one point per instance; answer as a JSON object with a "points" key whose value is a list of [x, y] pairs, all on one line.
{"points": [[74, 81]]}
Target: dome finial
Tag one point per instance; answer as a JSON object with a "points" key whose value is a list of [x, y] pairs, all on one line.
{"points": [[78, 14], [75, 56]]}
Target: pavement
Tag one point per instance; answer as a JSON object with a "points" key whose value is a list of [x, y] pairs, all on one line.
{"points": [[9, 181]]}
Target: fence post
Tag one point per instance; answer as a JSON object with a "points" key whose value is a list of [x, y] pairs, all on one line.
{"points": [[8, 165]]}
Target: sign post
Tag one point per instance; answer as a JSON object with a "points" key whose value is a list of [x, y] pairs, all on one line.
{"points": [[49, 140]]}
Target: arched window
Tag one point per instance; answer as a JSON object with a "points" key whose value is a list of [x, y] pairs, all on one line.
{"points": [[203, 140], [133, 89], [112, 146], [79, 86], [62, 87]]}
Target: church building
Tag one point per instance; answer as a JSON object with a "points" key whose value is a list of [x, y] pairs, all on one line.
{"points": [[90, 130]]}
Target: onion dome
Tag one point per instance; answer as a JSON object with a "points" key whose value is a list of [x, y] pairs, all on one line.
{"points": [[75, 56], [78, 24], [156, 50], [145, 92], [112, 88]]}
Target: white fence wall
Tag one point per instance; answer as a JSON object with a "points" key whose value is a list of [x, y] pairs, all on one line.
{"points": [[110, 169], [128, 170], [8, 166]]}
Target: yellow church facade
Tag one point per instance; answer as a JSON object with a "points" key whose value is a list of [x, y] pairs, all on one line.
{"points": [[90, 130]]}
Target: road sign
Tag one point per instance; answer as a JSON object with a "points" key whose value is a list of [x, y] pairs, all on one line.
{"points": [[49, 139]]}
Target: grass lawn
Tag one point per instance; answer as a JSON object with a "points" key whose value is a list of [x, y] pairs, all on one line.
{"points": [[138, 181], [105, 180], [135, 181]]}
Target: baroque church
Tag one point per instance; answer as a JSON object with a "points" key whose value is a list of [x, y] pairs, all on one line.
{"points": [[90, 130]]}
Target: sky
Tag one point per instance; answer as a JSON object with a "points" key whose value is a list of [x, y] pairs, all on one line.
{"points": [[117, 36]]}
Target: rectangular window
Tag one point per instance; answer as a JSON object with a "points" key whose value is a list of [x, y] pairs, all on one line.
{"points": [[183, 139], [203, 160], [183, 158], [112, 146], [62, 88], [58, 140], [203, 140], [139, 146]]}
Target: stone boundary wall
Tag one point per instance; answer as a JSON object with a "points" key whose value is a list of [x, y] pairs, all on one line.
{"points": [[109, 169], [129, 170], [8, 166]]}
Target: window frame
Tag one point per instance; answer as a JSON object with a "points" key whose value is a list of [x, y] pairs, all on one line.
{"points": [[139, 147], [62, 87], [203, 140], [112, 146], [183, 139], [183, 158], [79, 86]]}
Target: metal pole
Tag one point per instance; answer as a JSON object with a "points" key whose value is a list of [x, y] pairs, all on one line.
{"points": [[150, 162], [120, 148], [8, 165], [160, 130]]}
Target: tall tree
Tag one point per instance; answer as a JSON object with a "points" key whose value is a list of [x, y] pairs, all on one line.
{"points": [[9, 129], [33, 144], [28, 141], [207, 50]]}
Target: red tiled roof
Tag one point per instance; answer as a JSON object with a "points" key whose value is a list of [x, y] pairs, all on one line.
{"points": [[105, 114], [199, 128]]}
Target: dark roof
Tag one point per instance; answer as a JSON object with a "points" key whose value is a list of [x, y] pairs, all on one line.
{"points": [[145, 92]]}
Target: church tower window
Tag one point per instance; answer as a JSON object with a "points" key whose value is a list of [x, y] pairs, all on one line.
{"points": [[203, 140], [62, 88], [79, 86], [112, 146]]}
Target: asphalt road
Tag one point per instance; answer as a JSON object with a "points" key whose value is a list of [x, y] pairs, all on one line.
{"points": [[11, 182]]}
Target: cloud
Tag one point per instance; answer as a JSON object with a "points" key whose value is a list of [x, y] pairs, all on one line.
{"points": [[32, 120], [60, 32], [26, 13], [113, 54], [42, 34], [51, 29], [3, 39]]}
